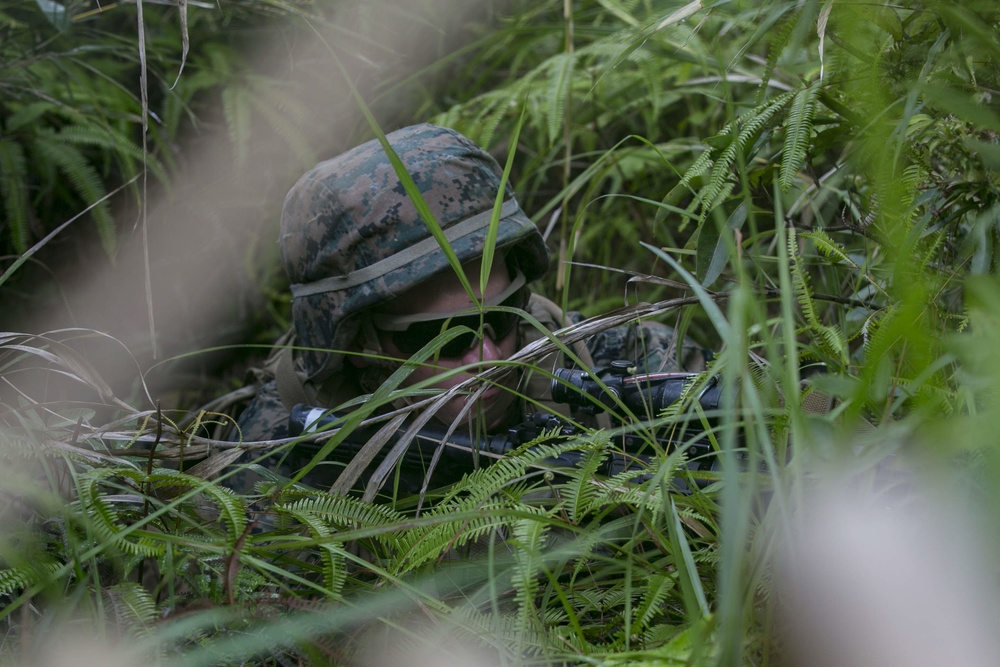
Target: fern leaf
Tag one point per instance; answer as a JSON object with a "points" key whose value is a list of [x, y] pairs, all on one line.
{"points": [[834, 341], [28, 114], [798, 132], [232, 510], [656, 588], [84, 179], [779, 40], [912, 178], [119, 144], [579, 491], [878, 335], [489, 120], [621, 490], [831, 339], [106, 522], [704, 161], [133, 606], [750, 125], [829, 248], [348, 513], [800, 282], [332, 555], [932, 244], [14, 579], [528, 542], [430, 544], [271, 101]]}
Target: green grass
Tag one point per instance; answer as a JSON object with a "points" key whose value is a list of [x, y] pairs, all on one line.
{"points": [[821, 189]]}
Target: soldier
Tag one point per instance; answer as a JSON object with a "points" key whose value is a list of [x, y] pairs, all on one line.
{"points": [[371, 286]]}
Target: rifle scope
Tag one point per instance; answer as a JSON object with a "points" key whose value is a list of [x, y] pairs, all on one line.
{"points": [[644, 395]]}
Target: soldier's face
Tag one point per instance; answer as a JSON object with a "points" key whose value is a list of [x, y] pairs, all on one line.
{"points": [[444, 294]]}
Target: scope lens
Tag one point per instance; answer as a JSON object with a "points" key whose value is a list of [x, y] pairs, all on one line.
{"points": [[568, 385]]}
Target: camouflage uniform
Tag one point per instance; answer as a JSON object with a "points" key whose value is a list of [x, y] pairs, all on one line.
{"points": [[351, 239]]}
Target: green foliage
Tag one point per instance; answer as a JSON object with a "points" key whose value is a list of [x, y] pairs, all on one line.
{"points": [[797, 134], [832, 166], [66, 122], [558, 559], [72, 113]]}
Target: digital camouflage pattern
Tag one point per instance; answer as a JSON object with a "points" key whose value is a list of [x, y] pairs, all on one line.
{"points": [[351, 239], [351, 213], [652, 345]]}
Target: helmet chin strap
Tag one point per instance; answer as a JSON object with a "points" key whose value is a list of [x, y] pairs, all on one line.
{"points": [[371, 346]]}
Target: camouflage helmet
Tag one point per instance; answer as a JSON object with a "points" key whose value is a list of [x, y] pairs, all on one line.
{"points": [[352, 239]]}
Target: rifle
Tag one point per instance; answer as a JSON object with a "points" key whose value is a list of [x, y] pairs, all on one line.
{"points": [[603, 389]]}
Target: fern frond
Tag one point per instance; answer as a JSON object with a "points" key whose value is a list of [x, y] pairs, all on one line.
{"points": [[932, 244], [656, 588], [912, 177], [486, 482], [621, 489], [528, 541], [425, 545], [834, 341], [879, 338], [617, 596], [800, 282], [705, 161], [332, 555], [829, 248], [15, 579], [779, 37], [585, 545], [750, 125], [115, 142], [109, 526], [274, 103], [579, 491], [504, 628], [348, 513], [232, 509], [132, 605], [28, 114], [798, 131], [84, 179], [831, 339]]}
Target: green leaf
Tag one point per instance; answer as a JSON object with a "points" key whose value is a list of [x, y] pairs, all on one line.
{"points": [[558, 91], [28, 114], [829, 248], [797, 134], [714, 247], [13, 173], [84, 179], [687, 572]]}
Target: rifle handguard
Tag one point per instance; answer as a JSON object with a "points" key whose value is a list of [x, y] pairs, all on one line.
{"points": [[604, 389]]}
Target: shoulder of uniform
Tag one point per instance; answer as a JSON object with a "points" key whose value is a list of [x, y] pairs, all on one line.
{"points": [[546, 311]]}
